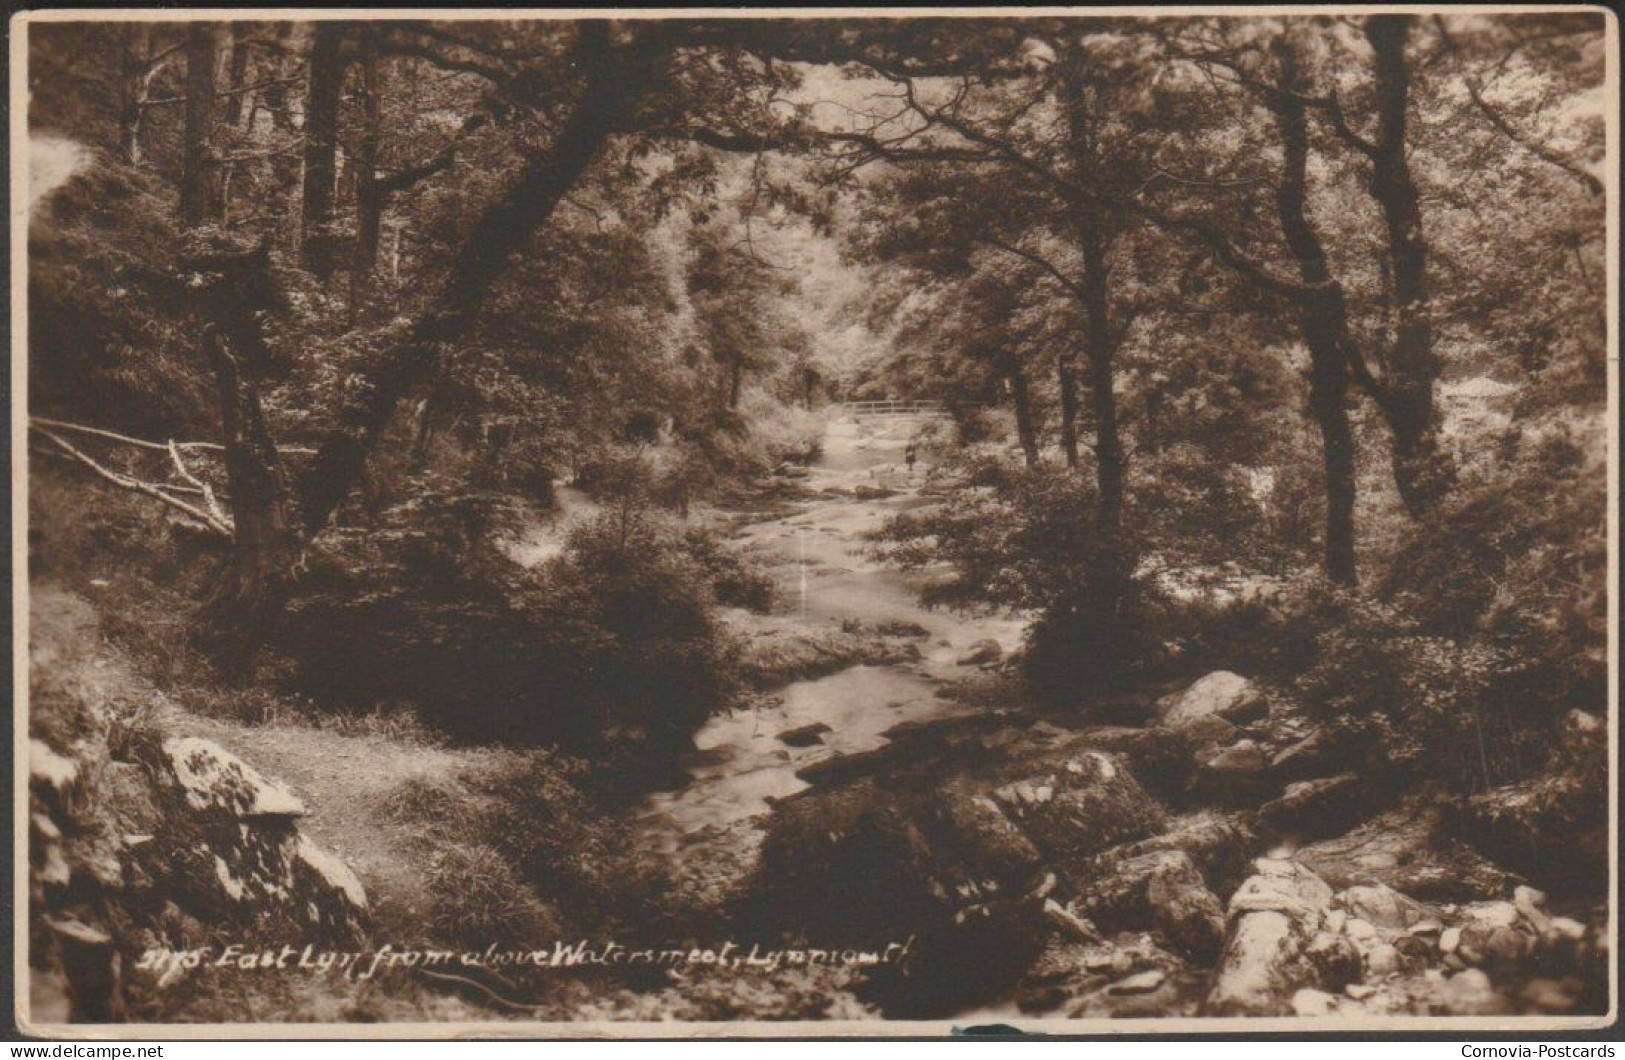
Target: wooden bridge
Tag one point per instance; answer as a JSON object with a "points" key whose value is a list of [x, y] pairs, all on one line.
{"points": [[894, 407]]}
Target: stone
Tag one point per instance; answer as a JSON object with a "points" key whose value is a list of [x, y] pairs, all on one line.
{"points": [[946, 867], [1314, 809], [1142, 983], [1283, 885], [1449, 940], [1359, 991], [213, 779], [1273, 917], [804, 735], [1319, 753], [1242, 757], [1221, 693], [1383, 907], [1336, 958], [1091, 802], [1405, 849], [1549, 995], [1359, 929], [1551, 828], [1470, 993], [981, 653], [1311, 1002], [1381, 960]]}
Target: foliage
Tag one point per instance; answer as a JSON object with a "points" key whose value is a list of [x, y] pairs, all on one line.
{"points": [[613, 639]]}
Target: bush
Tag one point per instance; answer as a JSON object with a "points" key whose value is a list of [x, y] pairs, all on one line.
{"points": [[478, 899], [613, 641]]}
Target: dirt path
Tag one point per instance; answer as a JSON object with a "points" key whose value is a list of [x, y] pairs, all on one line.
{"points": [[346, 783]]}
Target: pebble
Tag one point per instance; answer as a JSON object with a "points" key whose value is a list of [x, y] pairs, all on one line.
{"points": [[1335, 920], [1449, 939], [1359, 929], [1382, 959], [1307, 1002], [1143, 983], [1359, 991]]}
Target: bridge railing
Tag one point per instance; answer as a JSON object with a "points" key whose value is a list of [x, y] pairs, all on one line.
{"points": [[894, 407]]}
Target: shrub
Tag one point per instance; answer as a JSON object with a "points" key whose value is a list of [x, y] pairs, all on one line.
{"points": [[613, 641], [477, 899]]}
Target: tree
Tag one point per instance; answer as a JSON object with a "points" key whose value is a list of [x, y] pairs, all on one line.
{"points": [[200, 195]]}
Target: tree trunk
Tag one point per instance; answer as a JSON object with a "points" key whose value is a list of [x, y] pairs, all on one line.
{"points": [[237, 104], [610, 91], [369, 200], [1066, 383], [321, 149], [199, 199], [1110, 462], [264, 544], [1021, 399], [135, 72], [1422, 470], [736, 379], [1323, 321]]}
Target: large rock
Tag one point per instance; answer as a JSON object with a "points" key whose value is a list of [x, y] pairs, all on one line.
{"points": [[864, 866], [1160, 890], [231, 852], [1159, 758], [1553, 829], [1405, 848], [1220, 694], [1273, 917], [1220, 846], [1090, 802], [1314, 809]]}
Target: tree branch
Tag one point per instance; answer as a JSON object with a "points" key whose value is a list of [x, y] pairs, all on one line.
{"points": [[208, 519]]}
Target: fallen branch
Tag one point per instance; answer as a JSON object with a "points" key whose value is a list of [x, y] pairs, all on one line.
{"points": [[202, 487], [123, 481], [162, 447]]}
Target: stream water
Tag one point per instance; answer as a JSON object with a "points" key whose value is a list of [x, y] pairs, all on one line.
{"points": [[827, 578]]}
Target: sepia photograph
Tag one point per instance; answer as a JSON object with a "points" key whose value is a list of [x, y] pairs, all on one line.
{"points": [[845, 522]]}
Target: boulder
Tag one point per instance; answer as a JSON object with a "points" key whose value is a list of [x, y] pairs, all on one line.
{"points": [[804, 735], [1384, 908], [1220, 846], [1233, 775], [1321, 752], [1159, 758], [230, 851], [981, 653], [213, 780], [1220, 694], [1273, 917], [861, 865], [1160, 890], [1313, 809], [1552, 828], [1405, 849], [1090, 802]]}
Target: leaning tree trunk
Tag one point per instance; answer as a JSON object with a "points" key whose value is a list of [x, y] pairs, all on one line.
{"points": [[321, 149], [1423, 471], [199, 203], [611, 90], [1323, 321]]}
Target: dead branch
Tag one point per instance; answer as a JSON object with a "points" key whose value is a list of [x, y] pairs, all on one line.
{"points": [[162, 447], [202, 487], [138, 485]]}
